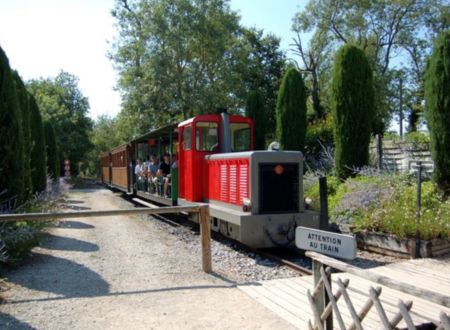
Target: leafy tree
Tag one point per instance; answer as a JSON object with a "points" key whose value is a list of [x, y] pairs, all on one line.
{"points": [[352, 109], [437, 87], [51, 147], [173, 58], [260, 65], [255, 110], [23, 103], [38, 154], [385, 30], [62, 103], [11, 136], [103, 138], [291, 111]]}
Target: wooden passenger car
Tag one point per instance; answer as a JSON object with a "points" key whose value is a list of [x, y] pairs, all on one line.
{"points": [[121, 167], [105, 160]]}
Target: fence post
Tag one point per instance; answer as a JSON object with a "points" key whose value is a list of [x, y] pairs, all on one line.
{"points": [[379, 146], [205, 237], [419, 206], [323, 191]]}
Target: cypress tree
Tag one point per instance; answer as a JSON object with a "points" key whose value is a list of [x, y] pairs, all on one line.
{"points": [[52, 150], [437, 96], [291, 111], [38, 156], [23, 102], [352, 107], [11, 137], [255, 110]]}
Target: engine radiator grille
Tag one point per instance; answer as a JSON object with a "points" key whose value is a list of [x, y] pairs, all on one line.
{"points": [[278, 187]]}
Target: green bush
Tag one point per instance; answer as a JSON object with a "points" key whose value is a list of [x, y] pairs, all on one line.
{"points": [[255, 110], [11, 136], [352, 108], [38, 154], [418, 139], [312, 190], [437, 96], [319, 133], [23, 103], [19, 238], [387, 203], [291, 111], [51, 148]]}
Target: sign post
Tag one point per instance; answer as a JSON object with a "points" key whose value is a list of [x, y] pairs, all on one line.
{"points": [[325, 242]]}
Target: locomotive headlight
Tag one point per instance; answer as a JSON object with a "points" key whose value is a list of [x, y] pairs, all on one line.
{"points": [[279, 169], [247, 204]]}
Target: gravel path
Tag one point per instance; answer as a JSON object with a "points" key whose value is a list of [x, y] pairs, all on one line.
{"points": [[129, 272]]}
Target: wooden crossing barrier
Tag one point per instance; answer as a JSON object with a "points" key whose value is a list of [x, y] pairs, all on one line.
{"points": [[202, 210], [323, 310]]}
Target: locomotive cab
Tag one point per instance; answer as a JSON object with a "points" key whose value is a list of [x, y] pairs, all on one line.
{"points": [[255, 197], [205, 135]]}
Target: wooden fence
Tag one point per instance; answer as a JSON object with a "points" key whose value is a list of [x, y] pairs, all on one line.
{"points": [[323, 301], [202, 210]]}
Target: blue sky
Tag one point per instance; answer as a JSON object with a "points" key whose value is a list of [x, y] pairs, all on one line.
{"points": [[43, 37]]}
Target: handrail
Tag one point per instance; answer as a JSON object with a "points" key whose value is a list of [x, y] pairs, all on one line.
{"points": [[104, 213], [384, 280]]}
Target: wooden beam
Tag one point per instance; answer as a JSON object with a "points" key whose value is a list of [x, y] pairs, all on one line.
{"points": [[104, 213], [205, 234], [384, 280]]}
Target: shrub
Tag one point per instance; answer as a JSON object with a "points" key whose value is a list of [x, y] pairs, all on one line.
{"points": [[352, 105], [319, 135], [387, 203], [437, 86], [38, 155], [418, 139], [23, 103], [312, 189], [255, 110], [52, 150], [291, 111], [11, 136]]}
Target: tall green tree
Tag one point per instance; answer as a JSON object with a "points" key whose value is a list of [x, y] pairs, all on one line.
{"points": [[437, 89], [173, 58], [11, 136], [255, 110], [352, 109], [23, 103], [386, 31], [260, 65], [291, 111], [38, 154], [51, 147], [61, 102]]}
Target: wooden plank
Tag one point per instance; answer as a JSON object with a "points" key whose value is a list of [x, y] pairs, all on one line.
{"points": [[104, 213], [381, 279], [294, 319]]}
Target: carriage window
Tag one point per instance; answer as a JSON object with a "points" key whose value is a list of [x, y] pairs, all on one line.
{"points": [[240, 136], [187, 138], [207, 136]]}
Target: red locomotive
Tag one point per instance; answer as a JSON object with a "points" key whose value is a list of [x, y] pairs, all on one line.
{"points": [[255, 197]]}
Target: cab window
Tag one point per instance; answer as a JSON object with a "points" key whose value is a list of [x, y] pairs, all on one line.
{"points": [[187, 145], [240, 136], [207, 136]]}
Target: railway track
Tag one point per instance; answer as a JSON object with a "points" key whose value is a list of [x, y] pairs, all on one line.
{"points": [[283, 257]]}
